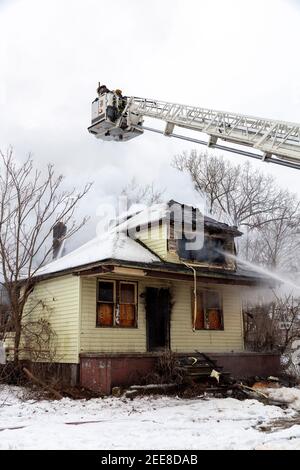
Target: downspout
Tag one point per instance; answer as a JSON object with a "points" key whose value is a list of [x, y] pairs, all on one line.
{"points": [[194, 292]]}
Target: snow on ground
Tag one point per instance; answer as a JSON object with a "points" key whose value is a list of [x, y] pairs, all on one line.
{"points": [[290, 396], [144, 423]]}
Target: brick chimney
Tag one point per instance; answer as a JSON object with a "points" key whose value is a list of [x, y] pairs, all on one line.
{"points": [[59, 232]]}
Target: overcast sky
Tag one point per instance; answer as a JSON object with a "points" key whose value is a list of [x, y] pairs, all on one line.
{"points": [[233, 55]]}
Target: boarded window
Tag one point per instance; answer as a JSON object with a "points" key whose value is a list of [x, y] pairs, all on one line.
{"points": [[105, 314], [117, 304], [127, 304], [209, 311]]}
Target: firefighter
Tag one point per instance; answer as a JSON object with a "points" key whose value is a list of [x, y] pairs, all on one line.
{"points": [[102, 89], [121, 101], [118, 93], [112, 106]]}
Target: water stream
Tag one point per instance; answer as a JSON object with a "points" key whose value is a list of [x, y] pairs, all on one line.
{"points": [[267, 272]]}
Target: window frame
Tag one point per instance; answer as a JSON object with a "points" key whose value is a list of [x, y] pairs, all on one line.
{"points": [[135, 285], [99, 281], [116, 302], [204, 293], [208, 245]]}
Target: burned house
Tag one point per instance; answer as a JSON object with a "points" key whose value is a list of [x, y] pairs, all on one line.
{"points": [[158, 280]]}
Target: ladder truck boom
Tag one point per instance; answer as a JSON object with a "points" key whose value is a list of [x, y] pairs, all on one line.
{"points": [[278, 141]]}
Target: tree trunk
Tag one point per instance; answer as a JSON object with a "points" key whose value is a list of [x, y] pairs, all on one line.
{"points": [[17, 340]]}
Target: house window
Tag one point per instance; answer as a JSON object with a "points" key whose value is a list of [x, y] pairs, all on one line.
{"points": [[117, 304], [106, 303], [211, 252], [127, 303], [209, 311]]}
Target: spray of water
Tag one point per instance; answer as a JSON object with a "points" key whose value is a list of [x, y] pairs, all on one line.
{"points": [[266, 272]]}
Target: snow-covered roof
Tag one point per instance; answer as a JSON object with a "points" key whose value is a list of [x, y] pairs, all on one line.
{"points": [[111, 245], [147, 216], [166, 211], [115, 244]]}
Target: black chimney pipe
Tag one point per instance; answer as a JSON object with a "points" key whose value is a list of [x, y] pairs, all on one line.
{"points": [[59, 232]]}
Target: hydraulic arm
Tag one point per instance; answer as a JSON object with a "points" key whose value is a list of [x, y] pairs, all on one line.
{"points": [[278, 141]]}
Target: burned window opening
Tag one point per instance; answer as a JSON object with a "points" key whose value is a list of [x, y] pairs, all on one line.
{"points": [[209, 311], [212, 251]]}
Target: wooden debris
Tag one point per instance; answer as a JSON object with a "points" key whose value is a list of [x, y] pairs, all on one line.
{"points": [[265, 384], [132, 394], [151, 387], [258, 395], [251, 389], [42, 384], [116, 392], [273, 379]]}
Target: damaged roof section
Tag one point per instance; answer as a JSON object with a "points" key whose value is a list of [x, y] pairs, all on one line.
{"points": [[174, 212], [194, 213]]}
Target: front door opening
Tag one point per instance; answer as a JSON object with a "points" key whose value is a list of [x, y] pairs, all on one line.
{"points": [[158, 318]]}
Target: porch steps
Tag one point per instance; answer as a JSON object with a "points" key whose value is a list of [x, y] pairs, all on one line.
{"points": [[199, 366]]}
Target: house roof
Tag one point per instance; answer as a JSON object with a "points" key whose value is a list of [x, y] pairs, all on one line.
{"points": [[209, 222], [111, 245], [167, 211], [116, 247]]}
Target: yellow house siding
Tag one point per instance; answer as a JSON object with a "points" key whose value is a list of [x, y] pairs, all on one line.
{"points": [[172, 257], [95, 339], [183, 339], [59, 304], [155, 238], [9, 344]]}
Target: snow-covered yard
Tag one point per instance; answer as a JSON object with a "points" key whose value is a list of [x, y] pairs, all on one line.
{"points": [[145, 423]]}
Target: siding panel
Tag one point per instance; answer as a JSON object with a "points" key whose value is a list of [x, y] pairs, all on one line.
{"points": [[155, 239], [59, 303], [183, 339]]}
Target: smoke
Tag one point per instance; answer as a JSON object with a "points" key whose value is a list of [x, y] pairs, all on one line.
{"points": [[283, 285]]}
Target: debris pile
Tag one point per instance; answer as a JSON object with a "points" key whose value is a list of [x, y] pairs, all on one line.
{"points": [[200, 376]]}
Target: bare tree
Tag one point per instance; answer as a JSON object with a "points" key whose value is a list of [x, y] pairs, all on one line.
{"points": [[32, 202], [242, 196], [274, 326], [142, 194], [276, 243], [239, 194]]}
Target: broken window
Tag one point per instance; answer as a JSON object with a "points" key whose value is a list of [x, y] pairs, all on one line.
{"points": [[211, 252], [209, 310], [106, 303], [117, 304]]}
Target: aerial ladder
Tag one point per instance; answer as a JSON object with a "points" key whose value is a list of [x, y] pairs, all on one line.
{"points": [[120, 119]]}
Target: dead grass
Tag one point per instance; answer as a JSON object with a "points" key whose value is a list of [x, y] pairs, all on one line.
{"points": [[280, 424]]}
